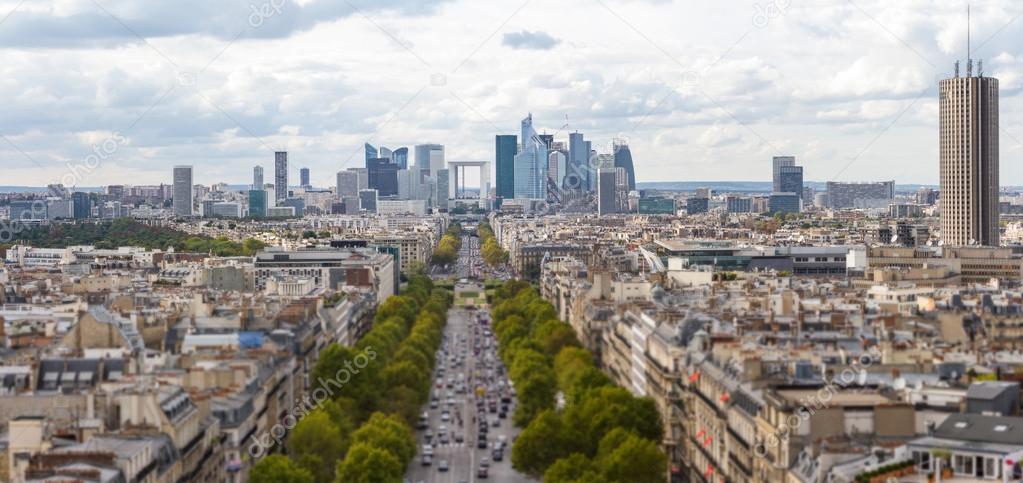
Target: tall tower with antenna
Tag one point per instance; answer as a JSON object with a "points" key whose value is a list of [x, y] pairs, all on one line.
{"points": [[968, 155]]}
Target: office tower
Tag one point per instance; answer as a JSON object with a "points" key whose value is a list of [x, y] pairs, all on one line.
{"points": [[808, 194], [280, 177], [926, 196], [368, 200], [384, 152], [114, 191], [505, 148], [783, 203], [59, 191], [303, 177], [371, 152], [257, 203], [790, 180], [557, 165], [735, 204], [606, 202], [383, 176], [81, 205], [429, 159], [400, 157], [622, 190], [531, 164], [183, 190], [697, 205], [623, 159], [577, 177], [548, 140], [656, 205], [297, 203], [968, 124], [443, 187], [777, 163], [704, 193], [257, 178], [205, 208], [57, 207], [347, 184], [877, 194], [404, 184]]}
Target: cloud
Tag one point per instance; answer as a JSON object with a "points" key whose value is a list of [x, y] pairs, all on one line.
{"points": [[527, 40]]}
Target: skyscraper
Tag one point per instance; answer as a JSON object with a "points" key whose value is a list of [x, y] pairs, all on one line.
{"points": [[257, 178], [531, 164], [577, 176], [347, 184], [606, 202], [777, 162], [505, 148], [383, 176], [280, 176], [790, 180], [371, 152], [81, 205], [400, 157], [429, 159], [257, 203], [183, 190], [303, 176], [623, 159], [968, 123]]}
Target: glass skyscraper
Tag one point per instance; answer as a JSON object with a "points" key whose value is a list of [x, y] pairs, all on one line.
{"points": [[623, 159], [505, 147], [400, 157], [183, 190], [531, 164], [257, 203], [371, 152]]}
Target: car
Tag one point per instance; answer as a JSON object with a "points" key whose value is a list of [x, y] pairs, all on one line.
{"points": [[443, 466], [428, 449], [495, 423], [428, 435], [459, 438], [498, 454], [485, 462], [482, 442], [502, 414], [444, 416], [481, 473], [427, 460], [444, 439], [433, 404]]}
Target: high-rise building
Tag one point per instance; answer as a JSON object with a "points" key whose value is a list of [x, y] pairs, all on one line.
{"points": [[859, 195], [790, 180], [368, 200], [303, 176], [968, 123], [383, 176], [443, 186], [257, 178], [81, 205], [547, 139], [531, 164], [371, 152], [384, 152], [777, 163], [623, 159], [784, 203], [400, 157], [606, 202], [557, 165], [506, 146], [697, 205], [429, 160], [257, 203], [736, 204], [577, 177], [280, 176], [347, 184], [183, 190]]}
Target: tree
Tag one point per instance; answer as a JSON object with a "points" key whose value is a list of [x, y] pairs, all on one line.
{"points": [[366, 463], [387, 432], [541, 443], [317, 444], [536, 392], [576, 468], [278, 469], [631, 459], [601, 410]]}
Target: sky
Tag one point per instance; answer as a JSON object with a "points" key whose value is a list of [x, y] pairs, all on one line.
{"points": [[98, 92]]}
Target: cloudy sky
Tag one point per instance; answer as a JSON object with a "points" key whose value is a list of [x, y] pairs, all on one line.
{"points": [[701, 90]]}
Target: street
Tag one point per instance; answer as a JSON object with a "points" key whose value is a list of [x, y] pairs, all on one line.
{"points": [[471, 399]]}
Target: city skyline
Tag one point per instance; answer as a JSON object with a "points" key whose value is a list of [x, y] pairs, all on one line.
{"points": [[868, 109]]}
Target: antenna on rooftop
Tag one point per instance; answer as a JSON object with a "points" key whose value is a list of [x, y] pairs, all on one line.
{"points": [[969, 55]]}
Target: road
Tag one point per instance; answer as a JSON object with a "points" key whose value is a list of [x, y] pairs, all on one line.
{"points": [[458, 366]]}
